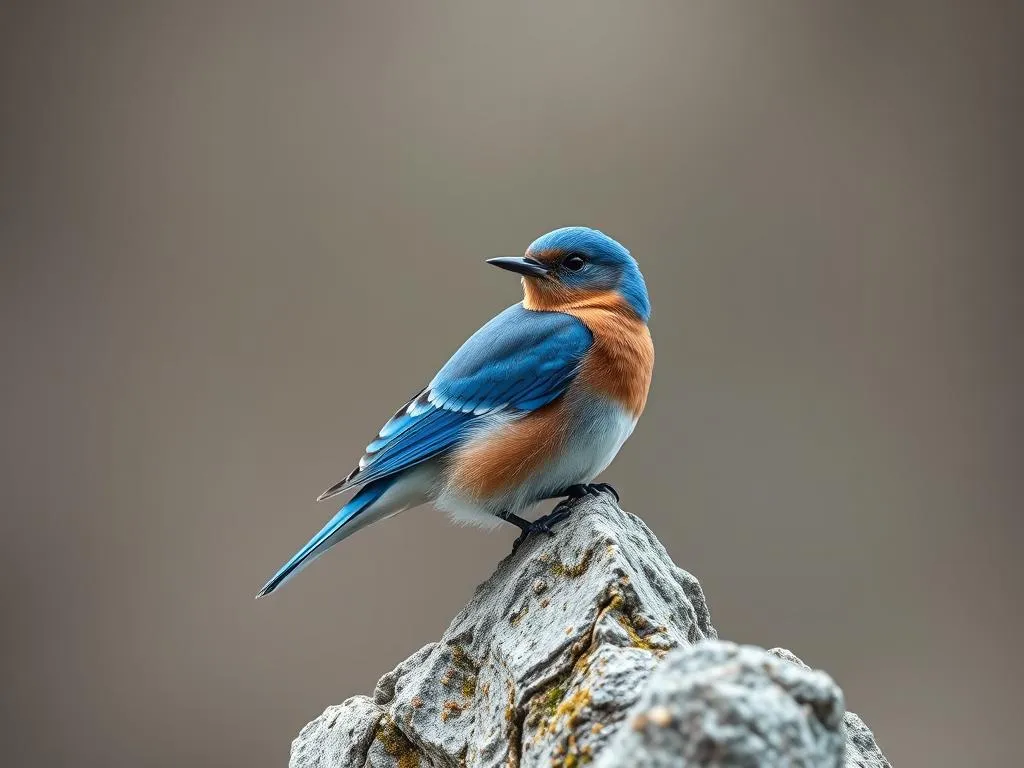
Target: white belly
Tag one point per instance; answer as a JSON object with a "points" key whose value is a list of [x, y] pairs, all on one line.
{"points": [[596, 433], [593, 444]]}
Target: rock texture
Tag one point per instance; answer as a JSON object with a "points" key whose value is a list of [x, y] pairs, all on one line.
{"points": [[724, 704], [861, 749], [590, 646]]}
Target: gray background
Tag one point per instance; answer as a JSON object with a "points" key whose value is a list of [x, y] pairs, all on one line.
{"points": [[235, 236]]}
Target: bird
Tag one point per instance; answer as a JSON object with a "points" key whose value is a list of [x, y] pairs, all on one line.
{"points": [[533, 406]]}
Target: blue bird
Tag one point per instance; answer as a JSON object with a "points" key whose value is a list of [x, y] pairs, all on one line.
{"points": [[533, 406]]}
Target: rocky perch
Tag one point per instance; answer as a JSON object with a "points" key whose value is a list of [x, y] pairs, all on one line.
{"points": [[591, 647]]}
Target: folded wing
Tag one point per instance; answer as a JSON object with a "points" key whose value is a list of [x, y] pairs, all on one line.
{"points": [[518, 362]]}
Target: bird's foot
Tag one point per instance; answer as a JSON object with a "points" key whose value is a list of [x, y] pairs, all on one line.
{"points": [[561, 511], [573, 494], [543, 524], [580, 491]]}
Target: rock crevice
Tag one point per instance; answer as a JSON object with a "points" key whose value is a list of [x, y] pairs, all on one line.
{"points": [[590, 647]]}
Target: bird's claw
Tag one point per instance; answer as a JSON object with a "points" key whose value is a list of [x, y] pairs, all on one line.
{"points": [[575, 492], [542, 525], [562, 510]]}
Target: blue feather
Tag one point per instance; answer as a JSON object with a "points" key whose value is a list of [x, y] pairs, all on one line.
{"points": [[610, 266], [521, 360], [416, 445], [329, 535]]}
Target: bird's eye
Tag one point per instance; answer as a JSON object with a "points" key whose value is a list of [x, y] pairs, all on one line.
{"points": [[574, 262]]}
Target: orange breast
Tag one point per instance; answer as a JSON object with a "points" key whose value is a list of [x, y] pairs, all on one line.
{"points": [[621, 361], [508, 456], [618, 365]]}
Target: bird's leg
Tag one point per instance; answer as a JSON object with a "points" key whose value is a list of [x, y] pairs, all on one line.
{"points": [[521, 523], [541, 525], [546, 524], [572, 495]]}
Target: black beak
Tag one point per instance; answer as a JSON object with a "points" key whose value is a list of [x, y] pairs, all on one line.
{"points": [[524, 265]]}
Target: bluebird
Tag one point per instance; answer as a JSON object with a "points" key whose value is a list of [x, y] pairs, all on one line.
{"points": [[533, 406]]}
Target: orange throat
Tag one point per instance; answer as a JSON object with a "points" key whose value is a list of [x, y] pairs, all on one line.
{"points": [[620, 363]]}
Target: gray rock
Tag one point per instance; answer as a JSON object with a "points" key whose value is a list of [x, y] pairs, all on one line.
{"points": [[861, 749], [572, 644], [723, 704], [342, 735]]}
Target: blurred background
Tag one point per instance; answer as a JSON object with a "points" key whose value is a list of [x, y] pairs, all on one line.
{"points": [[226, 228]]}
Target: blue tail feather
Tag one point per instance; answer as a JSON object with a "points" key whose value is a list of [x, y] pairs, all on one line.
{"points": [[329, 535]]}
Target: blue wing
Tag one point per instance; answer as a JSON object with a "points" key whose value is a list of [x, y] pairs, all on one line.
{"points": [[519, 361]]}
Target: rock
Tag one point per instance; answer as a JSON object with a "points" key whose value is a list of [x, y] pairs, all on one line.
{"points": [[342, 735], [723, 704], [861, 749], [590, 646]]}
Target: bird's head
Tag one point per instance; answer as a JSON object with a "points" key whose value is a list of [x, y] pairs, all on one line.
{"points": [[573, 265]]}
